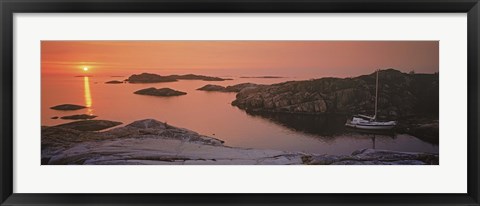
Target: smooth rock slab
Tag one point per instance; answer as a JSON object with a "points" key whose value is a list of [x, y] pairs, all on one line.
{"points": [[55, 139], [150, 128], [374, 157], [168, 151]]}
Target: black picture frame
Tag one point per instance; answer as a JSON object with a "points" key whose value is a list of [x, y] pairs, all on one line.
{"points": [[10, 7]]}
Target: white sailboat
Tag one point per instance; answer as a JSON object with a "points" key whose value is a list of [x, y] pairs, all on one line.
{"points": [[370, 123]]}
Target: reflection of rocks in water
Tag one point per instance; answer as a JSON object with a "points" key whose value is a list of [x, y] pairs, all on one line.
{"points": [[375, 137], [428, 132], [330, 125], [326, 127], [370, 133], [322, 125]]}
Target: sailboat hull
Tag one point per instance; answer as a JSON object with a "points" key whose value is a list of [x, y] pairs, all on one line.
{"points": [[371, 127]]}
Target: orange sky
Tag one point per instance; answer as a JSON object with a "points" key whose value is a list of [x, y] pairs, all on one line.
{"points": [[283, 58]]}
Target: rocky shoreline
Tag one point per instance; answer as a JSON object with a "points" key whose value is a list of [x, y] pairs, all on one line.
{"points": [[400, 95], [151, 142]]}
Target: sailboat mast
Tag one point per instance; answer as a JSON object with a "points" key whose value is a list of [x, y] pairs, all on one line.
{"points": [[376, 97]]}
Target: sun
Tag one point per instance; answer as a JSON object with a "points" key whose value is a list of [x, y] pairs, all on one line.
{"points": [[85, 68]]}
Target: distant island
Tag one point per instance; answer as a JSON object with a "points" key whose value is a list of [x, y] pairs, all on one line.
{"points": [[261, 77], [155, 78], [114, 82], [197, 77], [233, 88]]}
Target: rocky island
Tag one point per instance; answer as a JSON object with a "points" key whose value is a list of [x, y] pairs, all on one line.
{"points": [[149, 78], [197, 77], [151, 142], [162, 92], [212, 88], [114, 82], [155, 78], [78, 116], [67, 107], [233, 88], [89, 125]]}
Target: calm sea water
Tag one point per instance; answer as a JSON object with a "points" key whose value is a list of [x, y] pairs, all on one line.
{"points": [[210, 113]]}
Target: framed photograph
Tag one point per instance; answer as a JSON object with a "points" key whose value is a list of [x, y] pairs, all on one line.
{"points": [[239, 102]]}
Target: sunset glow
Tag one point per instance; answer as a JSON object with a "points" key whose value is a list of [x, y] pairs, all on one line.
{"points": [[284, 58]]}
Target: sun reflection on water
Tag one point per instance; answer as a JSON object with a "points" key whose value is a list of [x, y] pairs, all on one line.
{"points": [[87, 95]]}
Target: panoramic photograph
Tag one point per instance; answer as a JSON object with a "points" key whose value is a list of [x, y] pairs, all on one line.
{"points": [[239, 102]]}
